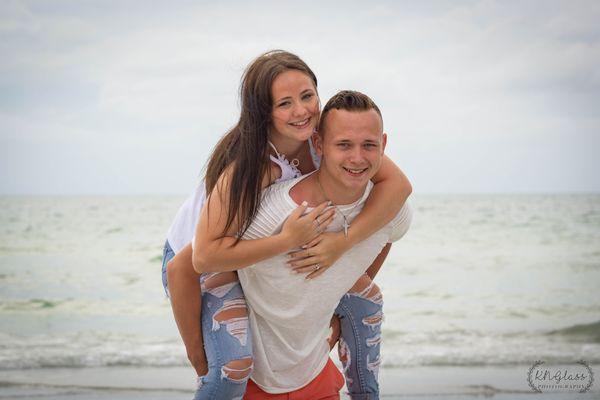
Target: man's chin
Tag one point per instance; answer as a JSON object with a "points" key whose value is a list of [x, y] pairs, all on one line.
{"points": [[355, 184]]}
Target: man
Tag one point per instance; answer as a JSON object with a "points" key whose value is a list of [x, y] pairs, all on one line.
{"points": [[290, 315]]}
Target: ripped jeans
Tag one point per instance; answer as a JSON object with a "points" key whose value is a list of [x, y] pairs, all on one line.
{"points": [[227, 338], [361, 314]]}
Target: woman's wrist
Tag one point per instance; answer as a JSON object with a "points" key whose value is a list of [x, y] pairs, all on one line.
{"points": [[351, 240], [345, 242], [283, 242]]}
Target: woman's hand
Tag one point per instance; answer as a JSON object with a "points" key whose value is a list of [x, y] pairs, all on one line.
{"points": [[299, 229], [319, 254], [335, 331]]}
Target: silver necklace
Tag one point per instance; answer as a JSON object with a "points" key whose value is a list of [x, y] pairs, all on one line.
{"points": [[346, 223]]}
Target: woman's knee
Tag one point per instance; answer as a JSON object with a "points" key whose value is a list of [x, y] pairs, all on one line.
{"points": [[238, 370], [229, 379], [176, 270], [180, 265]]}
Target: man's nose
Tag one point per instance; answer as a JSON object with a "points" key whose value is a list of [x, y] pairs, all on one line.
{"points": [[356, 154]]}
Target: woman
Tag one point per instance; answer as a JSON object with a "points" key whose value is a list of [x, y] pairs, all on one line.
{"points": [[279, 113]]}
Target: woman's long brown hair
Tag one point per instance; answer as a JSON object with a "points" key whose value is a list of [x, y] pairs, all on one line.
{"points": [[246, 144]]}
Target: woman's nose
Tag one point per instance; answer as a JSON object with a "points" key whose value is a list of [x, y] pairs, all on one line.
{"points": [[299, 110]]}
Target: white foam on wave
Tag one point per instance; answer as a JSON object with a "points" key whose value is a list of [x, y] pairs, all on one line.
{"points": [[89, 349]]}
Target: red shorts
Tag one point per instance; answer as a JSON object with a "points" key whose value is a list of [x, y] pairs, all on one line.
{"points": [[326, 386]]}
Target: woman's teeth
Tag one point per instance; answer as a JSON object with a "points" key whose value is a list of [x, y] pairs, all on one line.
{"points": [[301, 123]]}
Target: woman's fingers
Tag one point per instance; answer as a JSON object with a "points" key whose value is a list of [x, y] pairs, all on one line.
{"points": [[324, 223], [312, 270], [298, 211], [312, 243], [301, 229], [318, 210], [303, 262], [327, 212], [315, 273], [297, 255]]}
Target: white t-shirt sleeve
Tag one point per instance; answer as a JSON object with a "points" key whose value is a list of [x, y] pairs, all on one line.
{"points": [[401, 222]]}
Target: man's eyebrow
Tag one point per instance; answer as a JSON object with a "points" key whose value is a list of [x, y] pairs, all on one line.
{"points": [[350, 141]]}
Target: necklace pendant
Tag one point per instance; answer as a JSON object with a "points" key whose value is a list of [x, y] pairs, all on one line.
{"points": [[346, 226]]}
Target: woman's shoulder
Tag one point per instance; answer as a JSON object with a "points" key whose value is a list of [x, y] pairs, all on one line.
{"points": [[274, 175]]}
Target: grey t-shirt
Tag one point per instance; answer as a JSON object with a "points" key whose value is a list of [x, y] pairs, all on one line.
{"points": [[289, 315]]}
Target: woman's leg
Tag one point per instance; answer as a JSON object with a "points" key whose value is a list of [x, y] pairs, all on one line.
{"points": [[361, 312], [218, 315], [228, 343], [182, 285]]}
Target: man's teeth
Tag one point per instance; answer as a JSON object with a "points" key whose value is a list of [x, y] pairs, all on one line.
{"points": [[355, 171]]}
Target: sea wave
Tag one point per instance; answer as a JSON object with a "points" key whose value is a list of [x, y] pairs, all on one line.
{"points": [[83, 307], [456, 348], [581, 332], [31, 304], [89, 349]]}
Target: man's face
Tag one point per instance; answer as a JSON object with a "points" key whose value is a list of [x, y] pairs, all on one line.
{"points": [[351, 147]]}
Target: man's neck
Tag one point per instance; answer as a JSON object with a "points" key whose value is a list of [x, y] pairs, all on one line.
{"points": [[320, 187]]}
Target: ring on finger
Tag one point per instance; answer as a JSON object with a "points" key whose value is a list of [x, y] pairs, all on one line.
{"points": [[318, 221], [317, 266]]}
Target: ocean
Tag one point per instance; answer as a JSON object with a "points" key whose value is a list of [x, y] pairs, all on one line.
{"points": [[479, 280]]}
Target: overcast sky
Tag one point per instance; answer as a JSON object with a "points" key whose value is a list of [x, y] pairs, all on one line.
{"points": [[123, 97]]}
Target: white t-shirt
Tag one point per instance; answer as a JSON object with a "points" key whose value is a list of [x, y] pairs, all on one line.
{"points": [[289, 315]]}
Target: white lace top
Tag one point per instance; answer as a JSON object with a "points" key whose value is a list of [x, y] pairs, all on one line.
{"points": [[182, 229]]}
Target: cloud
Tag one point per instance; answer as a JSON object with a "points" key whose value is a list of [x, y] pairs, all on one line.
{"points": [[144, 92]]}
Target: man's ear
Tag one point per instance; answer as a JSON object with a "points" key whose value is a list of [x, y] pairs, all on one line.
{"points": [[383, 142], [318, 143]]}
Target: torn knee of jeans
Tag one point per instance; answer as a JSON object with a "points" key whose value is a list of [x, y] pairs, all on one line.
{"points": [[234, 315], [374, 320], [367, 289], [374, 340], [218, 283], [237, 370]]}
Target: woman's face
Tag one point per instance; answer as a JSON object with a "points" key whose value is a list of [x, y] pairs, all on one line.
{"points": [[295, 105]]}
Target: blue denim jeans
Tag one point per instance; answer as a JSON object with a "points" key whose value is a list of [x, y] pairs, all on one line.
{"points": [[225, 333], [360, 316], [227, 336]]}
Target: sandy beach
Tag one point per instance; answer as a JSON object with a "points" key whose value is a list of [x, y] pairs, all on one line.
{"points": [[168, 383]]}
